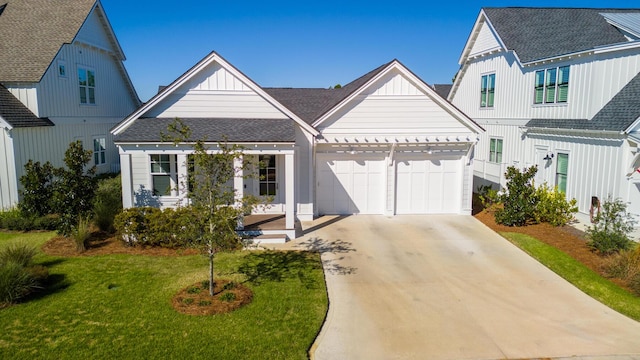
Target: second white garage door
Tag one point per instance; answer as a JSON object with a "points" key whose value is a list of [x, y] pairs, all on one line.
{"points": [[350, 184], [428, 186]]}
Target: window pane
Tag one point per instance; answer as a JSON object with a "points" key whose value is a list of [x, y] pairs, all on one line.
{"points": [[82, 77], [563, 93], [562, 168], [263, 189], [499, 145], [103, 157], [271, 189], [539, 87], [498, 158], [492, 145], [551, 77], [551, 86], [83, 95], [96, 145], [563, 76], [92, 95], [490, 98], [161, 185], [96, 159], [91, 78]]}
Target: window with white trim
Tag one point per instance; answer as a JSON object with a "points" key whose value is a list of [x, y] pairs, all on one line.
{"points": [[495, 150], [163, 174], [62, 68], [267, 175], [487, 90], [562, 169], [552, 85], [99, 151], [87, 86]]}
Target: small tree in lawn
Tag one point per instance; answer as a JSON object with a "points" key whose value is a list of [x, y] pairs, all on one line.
{"points": [[74, 187], [213, 199]]}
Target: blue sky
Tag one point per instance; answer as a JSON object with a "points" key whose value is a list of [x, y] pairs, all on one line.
{"points": [[300, 43]]}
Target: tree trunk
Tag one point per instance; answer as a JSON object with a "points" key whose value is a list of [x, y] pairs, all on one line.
{"points": [[211, 284]]}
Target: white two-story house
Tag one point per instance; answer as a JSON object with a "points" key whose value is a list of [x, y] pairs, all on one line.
{"points": [[558, 88], [62, 79]]}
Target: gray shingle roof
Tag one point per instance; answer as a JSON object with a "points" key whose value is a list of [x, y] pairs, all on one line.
{"points": [[16, 114], [540, 33], [617, 115], [213, 129], [32, 33], [310, 104], [442, 89]]}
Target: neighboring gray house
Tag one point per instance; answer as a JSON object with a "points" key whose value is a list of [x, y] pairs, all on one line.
{"points": [[558, 88], [385, 143], [62, 79]]}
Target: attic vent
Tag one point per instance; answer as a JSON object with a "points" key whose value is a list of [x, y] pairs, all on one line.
{"points": [[2, 8]]}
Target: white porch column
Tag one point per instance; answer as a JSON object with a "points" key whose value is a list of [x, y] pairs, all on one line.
{"points": [[289, 203], [238, 180], [125, 173], [183, 179]]}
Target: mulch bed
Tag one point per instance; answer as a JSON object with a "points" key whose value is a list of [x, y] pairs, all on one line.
{"points": [[195, 299], [565, 238], [102, 243]]}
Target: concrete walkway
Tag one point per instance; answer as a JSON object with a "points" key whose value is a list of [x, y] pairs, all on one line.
{"points": [[447, 287]]}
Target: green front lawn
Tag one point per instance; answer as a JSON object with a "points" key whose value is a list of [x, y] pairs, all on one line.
{"points": [[119, 307], [579, 275]]}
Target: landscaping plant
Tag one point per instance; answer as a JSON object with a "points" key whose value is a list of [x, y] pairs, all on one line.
{"points": [[216, 208], [16, 276], [612, 225], [626, 266], [74, 187], [488, 196], [520, 198], [552, 206], [107, 202], [37, 189]]}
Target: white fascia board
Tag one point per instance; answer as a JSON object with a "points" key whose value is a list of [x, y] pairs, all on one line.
{"points": [[206, 61], [597, 50], [4, 124], [622, 27], [632, 127]]}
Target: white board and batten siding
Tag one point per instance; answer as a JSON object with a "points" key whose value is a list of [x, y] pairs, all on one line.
{"points": [[363, 178], [8, 179], [394, 105], [485, 42], [215, 92]]}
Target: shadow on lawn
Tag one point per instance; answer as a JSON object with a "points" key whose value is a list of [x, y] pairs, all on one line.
{"points": [[51, 285], [269, 265]]}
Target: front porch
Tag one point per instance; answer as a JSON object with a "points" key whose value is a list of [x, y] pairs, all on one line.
{"points": [[269, 228]]}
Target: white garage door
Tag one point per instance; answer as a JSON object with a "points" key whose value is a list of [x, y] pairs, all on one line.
{"points": [[428, 186], [350, 184]]}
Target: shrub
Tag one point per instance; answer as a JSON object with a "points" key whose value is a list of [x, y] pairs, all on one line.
{"points": [[193, 290], [107, 202], [21, 254], [74, 187], [520, 199], [204, 303], [187, 301], [15, 282], [625, 265], [228, 297], [230, 285], [634, 284], [15, 220], [488, 196], [553, 207], [612, 225], [149, 226], [81, 233], [36, 193]]}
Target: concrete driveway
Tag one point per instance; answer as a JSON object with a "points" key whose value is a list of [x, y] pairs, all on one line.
{"points": [[447, 287]]}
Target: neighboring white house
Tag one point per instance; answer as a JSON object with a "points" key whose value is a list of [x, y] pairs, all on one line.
{"points": [[61, 79], [385, 143], [558, 88]]}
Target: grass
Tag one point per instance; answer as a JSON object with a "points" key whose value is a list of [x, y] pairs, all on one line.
{"points": [[119, 306], [579, 275]]}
